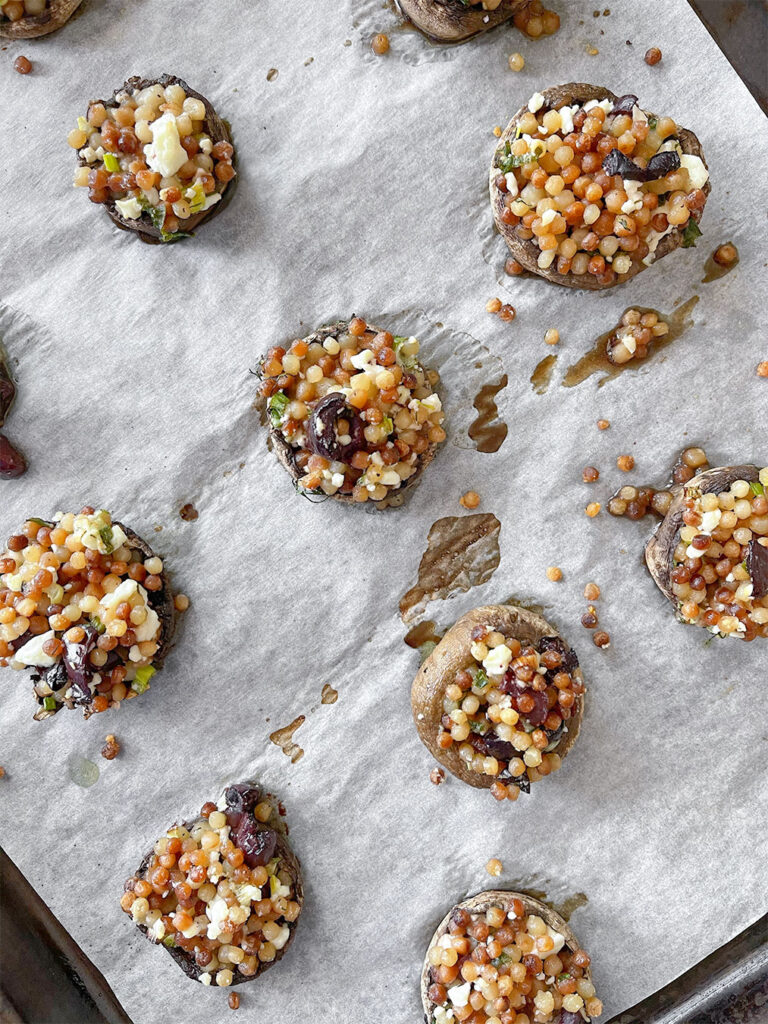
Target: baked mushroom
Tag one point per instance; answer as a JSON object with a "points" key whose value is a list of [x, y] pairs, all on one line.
{"points": [[86, 606], [500, 699], [454, 21], [222, 892], [25, 19], [709, 556], [353, 414], [588, 189], [506, 956], [12, 462], [157, 156]]}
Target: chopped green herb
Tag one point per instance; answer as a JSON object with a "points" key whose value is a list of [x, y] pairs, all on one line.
{"points": [[757, 488], [143, 675], [387, 424], [169, 941], [40, 522], [481, 728], [480, 680], [49, 703], [406, 361], [652, 122], [507, 163], [111, 163], [105, 532], [502, 961], [564, 977], [691, 233], [97, 624], [276, 407]]}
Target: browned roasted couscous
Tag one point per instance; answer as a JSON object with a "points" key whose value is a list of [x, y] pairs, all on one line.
{"points": [[83, 606], [507, 711], [720, 574], [222, 891], [504, 966], [357, 409], [15, 10], [597, 186]]}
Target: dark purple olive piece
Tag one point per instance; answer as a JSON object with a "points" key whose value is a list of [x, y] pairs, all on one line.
{"points": [[617, 162], [757, 567], [322, 435], [12, 462], [19, 642], [257, 842], [624, 104], [7, 390], [241, 797], [662, 164], [568, 1017], [556, 643], [492, 746], [79, 668]]}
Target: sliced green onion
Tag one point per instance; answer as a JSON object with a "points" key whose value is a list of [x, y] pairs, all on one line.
{"points": [[49, 703], [83, 125], [757, 488], [143, 675], [276, 407], [111, 163], [691, 233]]}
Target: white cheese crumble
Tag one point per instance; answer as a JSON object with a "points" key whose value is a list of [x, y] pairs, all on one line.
{"points": [[497, 660], [459, 995], [698, 175], [129, 208], [536, 102], [32, 652], [165, 153], [149, 627]]}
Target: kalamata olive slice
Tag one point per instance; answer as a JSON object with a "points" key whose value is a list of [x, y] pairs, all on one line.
{"points": [[624, 104], [662, 164], [493, 746], [617, 162], [757, 567], [12, 462], [322, 433], [7, 391], [257, 842], [555, 643], [242, 797], [78, 666], [569, 1017], [19, 642]]}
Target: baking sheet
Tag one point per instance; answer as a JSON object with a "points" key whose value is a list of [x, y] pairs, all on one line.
{"points": [[363, 189]]}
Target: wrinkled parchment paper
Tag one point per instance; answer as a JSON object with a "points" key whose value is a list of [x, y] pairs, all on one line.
{"points": [[363, 189]]}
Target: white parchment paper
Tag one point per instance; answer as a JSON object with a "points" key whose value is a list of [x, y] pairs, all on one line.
{"points": [[363, 189]]}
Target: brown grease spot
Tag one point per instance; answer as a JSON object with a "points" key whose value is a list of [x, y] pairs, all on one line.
{"points": [[329, 695], [542, 375], [565, 908], [462, 552], [488, 432], [283, 738], [188, 513], [424, 637], [596, 360], [714, 270]]}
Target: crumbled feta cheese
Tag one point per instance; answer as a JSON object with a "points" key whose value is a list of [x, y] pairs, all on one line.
{"points": [[497, 660], [217, 915], [210, 201], [459, 995], [629, 341], [165, 153], [205, 978], [390, 478], [513, 189], [698, 175], [634, 196], [362, 360], [548, 216], [282, 937], [536, 102], [607, 105], [147, 630], [32, 652], [566, 119], [129, 208], [206, 145], [337, 479], [710, 521]]}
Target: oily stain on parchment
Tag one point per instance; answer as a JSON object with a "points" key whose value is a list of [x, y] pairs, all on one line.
{"points": [[713, 271], [283, 738], [423, 637], [462, 552], [329, 695], [565, 908], [488, 431], [82, 771], [597, 361], [671, 483], [542, 375]]}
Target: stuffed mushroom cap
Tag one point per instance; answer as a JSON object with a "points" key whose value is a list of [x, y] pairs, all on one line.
{"points": [[524, 250], [216, 128], [247, 794], [660, 548], [480, 904], [451, 21], [56, 13], [453, 654], [286, 453]]}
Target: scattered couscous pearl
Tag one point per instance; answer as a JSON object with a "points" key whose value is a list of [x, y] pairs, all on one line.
{"points": [[493, 305], [589, 619], [380, 44], [626, 463], [652, 56], [23, 65], [437, 776], [762, 369], [590, 474], [593, 509], [181, 602], [601, 639], [552, 336], [591, 591], [470, 500], [725, 254], [603, 424], [554, 574], [497, 130], [111, 748], [507, 312], [234, 1000], [516, 62], [494, 867]]}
